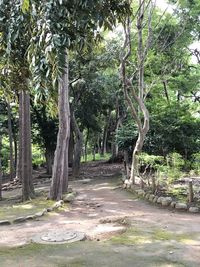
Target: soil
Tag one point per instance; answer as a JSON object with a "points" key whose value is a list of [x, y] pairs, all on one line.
{"points": [[121, 229]]}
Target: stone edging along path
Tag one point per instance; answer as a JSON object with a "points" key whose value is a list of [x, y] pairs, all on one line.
{"points": [[68, 198], [164, 201]]}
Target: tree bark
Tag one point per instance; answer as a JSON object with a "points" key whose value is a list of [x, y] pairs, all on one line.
{"points": [[49, 160], [77, 147], [60, 168], [86, 143], [105, 134], [15, 153], [10, 134], [71, 148], [0, 172], [19, 157], [25, 134]]}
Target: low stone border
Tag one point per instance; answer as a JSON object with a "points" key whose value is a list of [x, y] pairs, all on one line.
{"points": [[164, 201], [68, 198]]}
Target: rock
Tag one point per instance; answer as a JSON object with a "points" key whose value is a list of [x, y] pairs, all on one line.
{"points": [[124, 186], [140, 192], [155, 199], [147, 196], [181, 206], [159, 200], [151, 197], [86, 181], [30, 217], [58, 204], [44, 211], [173, 204], [69, 190], [49, 209], [19, 220], [5, 222], [127, 183], [166, 201], [39, 214], [194, 209], [69, 197]]}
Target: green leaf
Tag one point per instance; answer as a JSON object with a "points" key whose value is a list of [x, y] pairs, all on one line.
{"points": [[25, 5]]}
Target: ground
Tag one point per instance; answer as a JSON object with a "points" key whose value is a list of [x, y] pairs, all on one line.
{"points": [[121, 230]]}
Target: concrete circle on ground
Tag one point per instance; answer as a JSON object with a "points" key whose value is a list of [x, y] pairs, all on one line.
{"points": [[58, 237]]}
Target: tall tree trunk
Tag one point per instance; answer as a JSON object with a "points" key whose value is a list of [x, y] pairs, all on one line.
{"points": [[71, 147], [86, 143], [105, 134], [26, 164], [141, 116], [99, 144], [49, 154], [10, 134], [15, 153], [60, 168], [165, 91], [94, 152], [19, 157], [77, 147], [0, 172]]}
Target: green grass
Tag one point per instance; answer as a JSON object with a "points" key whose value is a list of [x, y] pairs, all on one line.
{"points": [[137, 236], [9, 211], [97, 157]]}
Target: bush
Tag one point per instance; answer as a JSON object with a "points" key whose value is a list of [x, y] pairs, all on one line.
{"points": [[196, 163]]}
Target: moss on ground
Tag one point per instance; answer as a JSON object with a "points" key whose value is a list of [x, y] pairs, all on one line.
{"points": [[11, 210], [136, 236], [79, 254]]}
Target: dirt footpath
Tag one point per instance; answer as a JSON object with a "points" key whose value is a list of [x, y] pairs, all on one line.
{"points": [[154, 236]]}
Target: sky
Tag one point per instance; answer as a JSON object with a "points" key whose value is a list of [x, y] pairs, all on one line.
{"points": [[162, 4]]}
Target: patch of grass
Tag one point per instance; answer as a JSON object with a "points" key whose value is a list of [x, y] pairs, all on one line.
{"points": [[97, 157], [9, 211], [131, 237], [136, 236]]}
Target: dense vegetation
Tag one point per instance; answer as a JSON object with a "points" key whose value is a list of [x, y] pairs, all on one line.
{"points": [[84, 79]]}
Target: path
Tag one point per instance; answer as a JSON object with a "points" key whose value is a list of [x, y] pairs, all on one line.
{"points": [[98, 211]]}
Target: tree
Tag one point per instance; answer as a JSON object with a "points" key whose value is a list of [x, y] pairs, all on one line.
{"points": [[15, 37], [67, 25], [132, 96], [0, 171]]}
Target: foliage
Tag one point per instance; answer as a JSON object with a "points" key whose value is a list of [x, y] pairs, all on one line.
{"points": [[196, 163], [126, 135], [151, 161]]}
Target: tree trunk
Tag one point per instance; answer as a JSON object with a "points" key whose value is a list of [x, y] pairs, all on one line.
{"points": [[86, 143], [0, 172], [10, 134], [49, 160], [60, 168], [77, 147], [126, 163], [94, 152], [19, 157], [141, 116], [71, 148], [105, 134], [25, 134], [15, 153]]}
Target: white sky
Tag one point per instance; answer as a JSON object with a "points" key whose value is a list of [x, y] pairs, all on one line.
{"points": [[162, 4]]}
